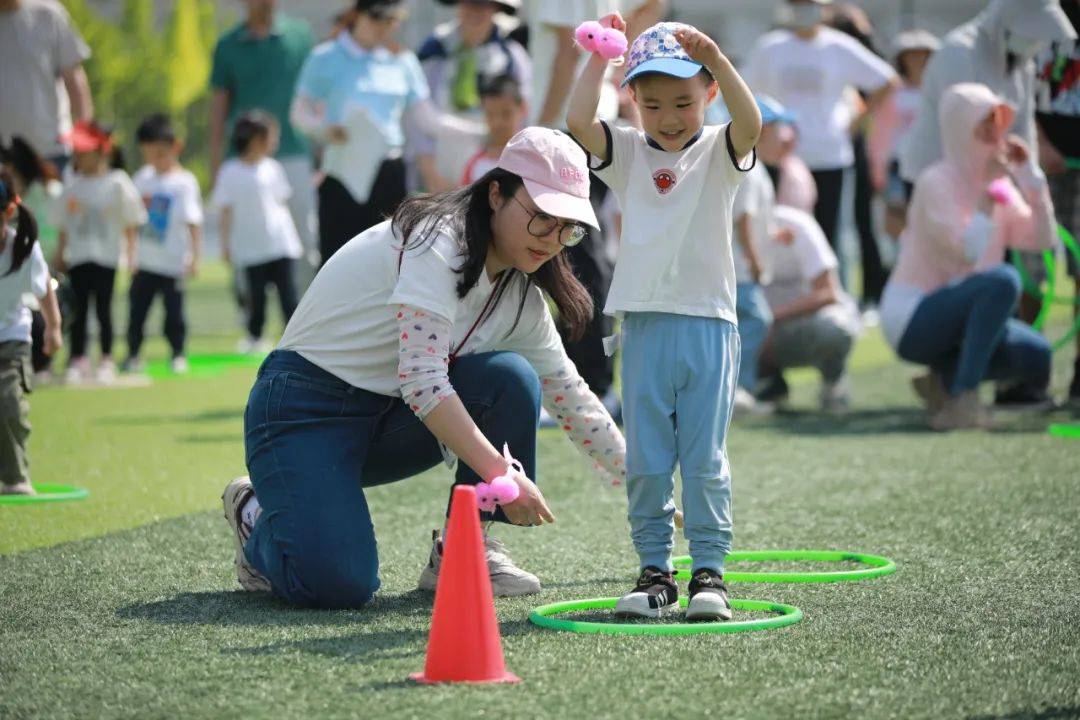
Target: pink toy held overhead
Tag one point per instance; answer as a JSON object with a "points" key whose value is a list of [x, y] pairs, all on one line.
{"points": [[502, 489], [1000, 191], [608, 43]]}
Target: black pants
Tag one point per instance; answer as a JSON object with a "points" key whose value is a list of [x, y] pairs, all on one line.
{"points": [[830, 189], [341, 218], [278, 273], [90, 281], [38, 359], [873, 272], [145, 286], [593, 268]]}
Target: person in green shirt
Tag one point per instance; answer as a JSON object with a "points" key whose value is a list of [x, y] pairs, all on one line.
{"points": [[256, 65]]}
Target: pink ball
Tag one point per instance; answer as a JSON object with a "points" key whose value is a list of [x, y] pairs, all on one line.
{"points": [[612, 44], [588, 35], [1000, 191], [504, 489]]}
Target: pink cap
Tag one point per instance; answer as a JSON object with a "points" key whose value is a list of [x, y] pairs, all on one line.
{"points": [[555, 171]]}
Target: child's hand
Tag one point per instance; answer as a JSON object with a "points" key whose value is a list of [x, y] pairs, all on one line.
{"points": [[614, 21], [54, 340], [337, 135], [226, 255], [58, 262], [784, 236], [699, 46], [192, 269]]}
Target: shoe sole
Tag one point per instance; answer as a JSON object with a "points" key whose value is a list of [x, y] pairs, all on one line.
{"points": [[429, 580], [707, 614], [651, 613], [232, 501]]}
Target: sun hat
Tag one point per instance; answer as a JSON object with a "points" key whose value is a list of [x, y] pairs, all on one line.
{"points": [[555, 172]]}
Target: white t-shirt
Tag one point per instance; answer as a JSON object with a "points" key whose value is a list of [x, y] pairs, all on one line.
{"points": [[675, 250], [796, 266], [544, 17], [32, 277], [97, 210], [173, 203], [262, 229], [347, 320], [757, 198], [809, 77]]}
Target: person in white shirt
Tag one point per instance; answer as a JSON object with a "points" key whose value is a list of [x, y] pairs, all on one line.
{"points": [[22, 270], [258, 236], [674, 287], [424, 338], [170, 242], [815, 322], [102, 213], [809, 68]]}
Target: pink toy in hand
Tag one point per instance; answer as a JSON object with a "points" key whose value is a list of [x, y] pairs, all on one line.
{"points": [[1000, 191], [502, 489], [593, 37]]}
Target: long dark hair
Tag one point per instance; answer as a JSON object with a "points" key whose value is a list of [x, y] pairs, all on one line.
{"points": [[26, 228], [466, 213], [27, 164]]}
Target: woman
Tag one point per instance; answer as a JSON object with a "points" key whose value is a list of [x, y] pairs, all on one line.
{"points": [[949, 302], [425, 338], [352, 95]]}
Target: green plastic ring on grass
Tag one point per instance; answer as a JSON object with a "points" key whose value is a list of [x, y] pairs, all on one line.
{"points": [[46, 492], [1064, 430], [878, 566], [542, 616]]}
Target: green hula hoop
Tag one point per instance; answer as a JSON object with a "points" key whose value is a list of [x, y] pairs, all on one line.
{"points": [[1048, 297], [46, 492], [878, 566], [543, 617], [1064, 430]]}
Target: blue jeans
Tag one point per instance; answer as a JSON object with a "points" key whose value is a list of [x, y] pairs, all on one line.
{"points": [[313, 443], [678, 377], [966, 334], [755, 319]]}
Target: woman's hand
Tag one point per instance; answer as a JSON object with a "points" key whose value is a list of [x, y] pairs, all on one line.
{"points": [[337, 135], [530, 507]]}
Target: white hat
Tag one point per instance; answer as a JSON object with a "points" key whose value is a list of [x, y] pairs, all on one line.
{"points": [[915, 40]]}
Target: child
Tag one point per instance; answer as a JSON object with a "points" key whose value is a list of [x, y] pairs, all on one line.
{"points": [[258, 236], [674, 285], [101, 207], [504, 114], [22, 270], [169, 243]]}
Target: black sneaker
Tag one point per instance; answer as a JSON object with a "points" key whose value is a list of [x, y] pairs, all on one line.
{"points": [[773, 389], [1074, 386], [708, 597], [1022, 396], [654, 594]]}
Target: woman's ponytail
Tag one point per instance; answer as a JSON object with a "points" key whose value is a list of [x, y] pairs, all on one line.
{"points": [[26, 227]]}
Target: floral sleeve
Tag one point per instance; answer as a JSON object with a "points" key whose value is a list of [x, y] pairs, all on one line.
{"points": [[586, 421], [423, 359]]}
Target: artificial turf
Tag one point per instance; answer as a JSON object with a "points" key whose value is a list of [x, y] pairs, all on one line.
{"points": [[125, 604]]}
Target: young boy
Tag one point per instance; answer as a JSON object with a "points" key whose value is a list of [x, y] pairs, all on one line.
{"points": [[674, 286], [169, 242], [504, 114]]}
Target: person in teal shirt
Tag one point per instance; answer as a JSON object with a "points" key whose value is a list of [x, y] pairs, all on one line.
{"points": [[256, 65], [353, 94]]}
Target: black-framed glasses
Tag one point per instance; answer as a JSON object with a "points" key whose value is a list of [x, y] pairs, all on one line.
{"points": [[541, 225]]}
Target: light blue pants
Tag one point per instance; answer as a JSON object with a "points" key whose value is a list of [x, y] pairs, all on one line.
{"points": [[678, 380], [755, 319]]}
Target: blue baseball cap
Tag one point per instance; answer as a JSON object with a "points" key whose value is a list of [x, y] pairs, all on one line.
{"points": [[772, 111], [657, 51]]}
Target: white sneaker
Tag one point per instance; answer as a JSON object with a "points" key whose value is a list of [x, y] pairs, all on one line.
{"points": [[22, 488], [179, 365], [78, 371], [746, 405], [262, 347], [654, 595], [835, 396], [106, 372], [236, 495], [507, 579], [246, 345]]}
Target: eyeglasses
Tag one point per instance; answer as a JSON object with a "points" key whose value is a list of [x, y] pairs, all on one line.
{"points": [[541, 225]]}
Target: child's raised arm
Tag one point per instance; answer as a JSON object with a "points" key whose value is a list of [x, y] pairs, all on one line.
{"points": [[745, 116], [581, 114]]}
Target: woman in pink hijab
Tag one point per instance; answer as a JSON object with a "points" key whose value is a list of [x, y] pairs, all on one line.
{"points": [[949, 302]]}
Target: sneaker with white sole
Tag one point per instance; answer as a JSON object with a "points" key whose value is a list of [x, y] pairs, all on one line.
{"points": [[708, 597], [236, 495], [22, 488], [106, 372], [654, 594], [179, 365], [507, 579]]}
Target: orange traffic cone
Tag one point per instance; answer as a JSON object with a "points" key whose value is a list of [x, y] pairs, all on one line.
{"points": [[464, 643]]}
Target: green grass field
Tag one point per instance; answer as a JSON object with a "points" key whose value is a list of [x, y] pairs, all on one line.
{"points": [[125, 604]]}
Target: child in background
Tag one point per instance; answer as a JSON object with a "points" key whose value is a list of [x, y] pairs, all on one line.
{"points": [[505, 111], [258, 236], [169, 243], [22, 270], [101, 207], [674, 285]]}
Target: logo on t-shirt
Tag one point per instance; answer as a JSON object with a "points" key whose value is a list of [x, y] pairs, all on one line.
{"points": [[157, 216], [664, 180]]}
